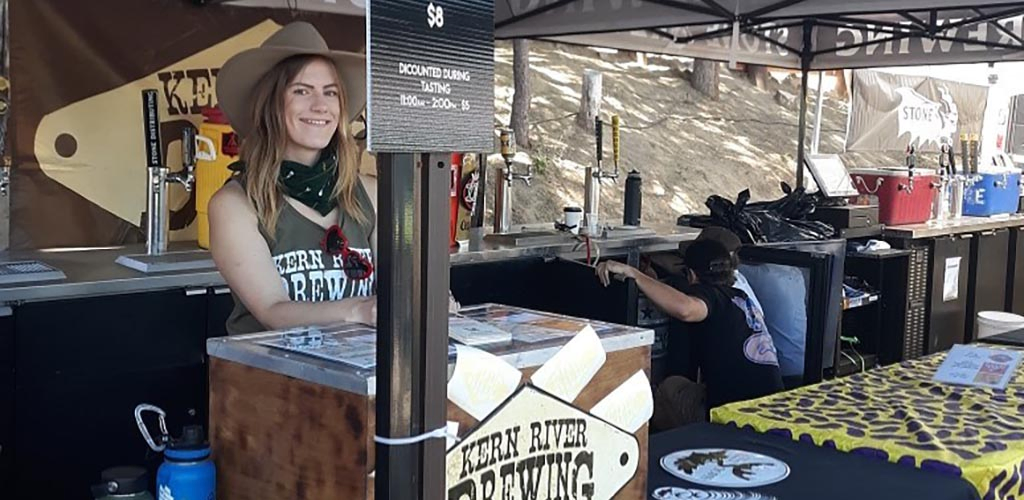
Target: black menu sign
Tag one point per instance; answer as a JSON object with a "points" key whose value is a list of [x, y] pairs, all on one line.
{"points": [[431, 75]]}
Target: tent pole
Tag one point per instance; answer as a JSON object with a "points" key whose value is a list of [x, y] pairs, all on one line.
{"points": [[412, 322], [803, 130], [816, 141], [805, 65]]}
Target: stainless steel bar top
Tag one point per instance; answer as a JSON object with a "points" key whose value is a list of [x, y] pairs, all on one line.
{"points": [[664, 239], [345, 360], [93, 271], [932, 229]]}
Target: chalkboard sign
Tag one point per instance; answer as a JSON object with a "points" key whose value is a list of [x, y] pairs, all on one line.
{"points": [[431, 75]]}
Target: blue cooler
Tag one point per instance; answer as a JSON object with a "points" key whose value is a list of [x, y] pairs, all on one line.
{"points": [[991, 193]]}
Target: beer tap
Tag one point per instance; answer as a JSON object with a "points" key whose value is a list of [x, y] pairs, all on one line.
{"points": [[593, 177], [940, 202], [911, 165], [503, 182], [159, 176], [186, 176]]}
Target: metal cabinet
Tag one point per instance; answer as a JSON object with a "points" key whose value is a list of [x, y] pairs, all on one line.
{"points": [[950, 259], [556, 286], [82, 365], [6, 397], [219, 308], [882, 328], [1015, 279], [988, 276]]}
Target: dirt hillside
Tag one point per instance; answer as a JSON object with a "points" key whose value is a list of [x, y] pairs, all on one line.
{"points": [[686, 146]]}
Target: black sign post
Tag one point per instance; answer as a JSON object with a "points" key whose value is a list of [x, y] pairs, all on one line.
{"points": [[431, 90]]}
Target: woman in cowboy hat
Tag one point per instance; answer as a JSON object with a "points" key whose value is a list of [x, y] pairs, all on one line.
{"points": [[293, 233]]}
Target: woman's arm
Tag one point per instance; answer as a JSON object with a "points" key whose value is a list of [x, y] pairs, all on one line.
{"points": [[243, 259], [671, 301]]}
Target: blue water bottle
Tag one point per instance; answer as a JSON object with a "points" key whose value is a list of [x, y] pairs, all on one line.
{"points": [[187, 473]]}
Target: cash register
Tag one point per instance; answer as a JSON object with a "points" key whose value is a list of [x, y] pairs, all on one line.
{"points": [[832, 179]]}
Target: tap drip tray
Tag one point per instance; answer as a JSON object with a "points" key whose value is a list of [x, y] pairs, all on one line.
{"points": [[26, 271], [530, 238], [626, 232], [189, 260]]}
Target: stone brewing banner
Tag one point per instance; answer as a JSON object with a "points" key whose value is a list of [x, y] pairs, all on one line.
{"points": [[79, 164], [431, 75], [889, 112]]}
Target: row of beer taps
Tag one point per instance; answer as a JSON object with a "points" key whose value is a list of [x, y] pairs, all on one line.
{"points": [[593, 176]]}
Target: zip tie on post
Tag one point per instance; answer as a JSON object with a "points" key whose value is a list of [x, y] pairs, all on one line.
{"points": [[441, 433]]}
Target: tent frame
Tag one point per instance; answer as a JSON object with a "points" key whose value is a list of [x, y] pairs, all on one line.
{"points": [[410, 356], [920, 23]]}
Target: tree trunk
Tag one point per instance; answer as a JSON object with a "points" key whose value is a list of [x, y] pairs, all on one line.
{"points": [[521, 97], [758, 75], [842, 90], [705, 77], [590, 100]]}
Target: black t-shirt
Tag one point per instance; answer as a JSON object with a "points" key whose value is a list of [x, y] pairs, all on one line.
{"points": [[736, 355]]}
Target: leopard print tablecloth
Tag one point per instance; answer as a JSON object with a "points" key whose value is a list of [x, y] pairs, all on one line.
{"points": [[898, 414]]}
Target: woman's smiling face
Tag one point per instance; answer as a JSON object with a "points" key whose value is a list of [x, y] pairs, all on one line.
{"points": [[312, 105]]}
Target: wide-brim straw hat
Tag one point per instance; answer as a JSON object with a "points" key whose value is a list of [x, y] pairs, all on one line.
{"points": [[239, 75]]}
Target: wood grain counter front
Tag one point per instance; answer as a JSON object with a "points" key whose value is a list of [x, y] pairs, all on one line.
{"points": [[285, 425]]}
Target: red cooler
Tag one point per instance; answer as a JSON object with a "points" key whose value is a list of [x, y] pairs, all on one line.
{"points": [[901, 199]]}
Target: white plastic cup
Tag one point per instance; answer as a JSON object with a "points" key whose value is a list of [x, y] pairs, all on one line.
{"points": [[995, 322], [573, 218]]}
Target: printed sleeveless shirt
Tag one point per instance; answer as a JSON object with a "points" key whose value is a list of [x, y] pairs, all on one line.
{"points": [[307, 272]]}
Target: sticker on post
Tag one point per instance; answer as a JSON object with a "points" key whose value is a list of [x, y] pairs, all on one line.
{"points": [[951, 280], [725, 468], [673, 493], [537, 443]]}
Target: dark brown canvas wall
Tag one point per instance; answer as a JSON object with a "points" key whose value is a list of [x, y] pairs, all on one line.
{"points": [[77, 70]]}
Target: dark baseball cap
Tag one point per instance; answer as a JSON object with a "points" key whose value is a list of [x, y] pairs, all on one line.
{"points": [[727, 238], [708, 258]]}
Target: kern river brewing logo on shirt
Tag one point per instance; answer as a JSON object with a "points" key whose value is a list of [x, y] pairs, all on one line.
{"points": [[308, 276]]}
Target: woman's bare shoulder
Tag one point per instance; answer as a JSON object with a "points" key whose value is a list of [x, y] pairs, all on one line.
{"points": [[231, 198]]}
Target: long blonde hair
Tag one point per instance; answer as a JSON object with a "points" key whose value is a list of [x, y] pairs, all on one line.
{"points": [[263, 149]]}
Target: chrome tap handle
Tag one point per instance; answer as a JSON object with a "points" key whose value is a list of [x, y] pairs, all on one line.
{"points": [[186, 177], [188, 148], [151, 127]]}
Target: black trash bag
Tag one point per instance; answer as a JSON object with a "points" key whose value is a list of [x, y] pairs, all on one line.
{"points": [[776, 229], [774, 221]]}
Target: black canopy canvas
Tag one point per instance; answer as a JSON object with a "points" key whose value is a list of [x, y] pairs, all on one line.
{"points": [[797, 34]]}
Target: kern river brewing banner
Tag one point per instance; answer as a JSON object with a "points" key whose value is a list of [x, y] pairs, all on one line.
{"points": [[78, 69], [889, 112]]}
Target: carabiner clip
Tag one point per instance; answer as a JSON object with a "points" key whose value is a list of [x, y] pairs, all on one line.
{"points": [[162, 415]]}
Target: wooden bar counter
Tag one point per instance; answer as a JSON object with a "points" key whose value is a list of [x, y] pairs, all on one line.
{"points": [[286, 424]]}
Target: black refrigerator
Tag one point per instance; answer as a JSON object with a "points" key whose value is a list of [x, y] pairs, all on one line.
{"points": [[809, 277]]}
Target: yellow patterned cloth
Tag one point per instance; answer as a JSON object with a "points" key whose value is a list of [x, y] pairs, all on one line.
{"points": [[898, 414]]}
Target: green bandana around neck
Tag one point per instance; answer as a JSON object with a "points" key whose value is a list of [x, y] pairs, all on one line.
{"points": [[312, 185]]}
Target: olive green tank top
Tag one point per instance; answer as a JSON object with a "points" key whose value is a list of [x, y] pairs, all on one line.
{"points": [[307, 272]]}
